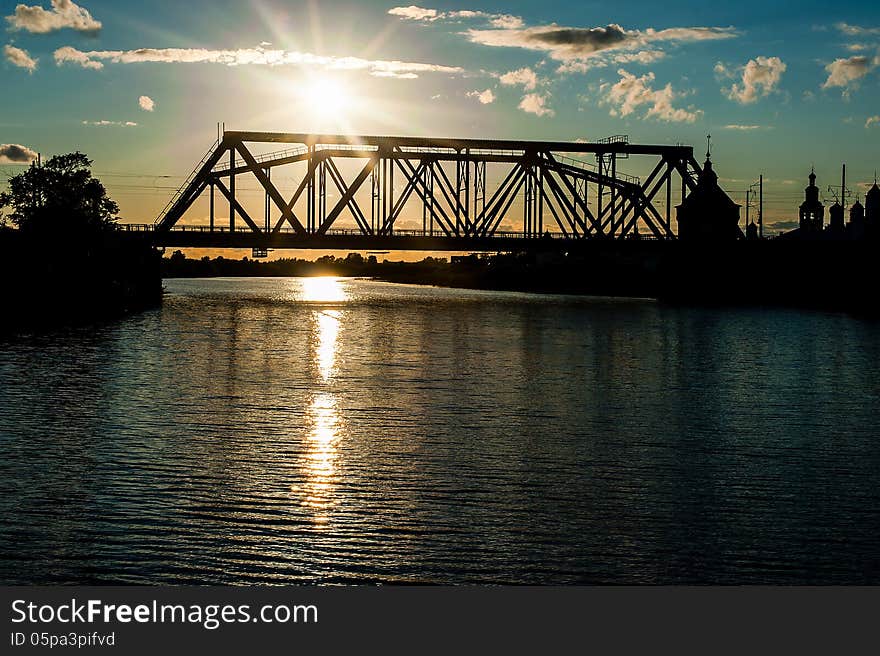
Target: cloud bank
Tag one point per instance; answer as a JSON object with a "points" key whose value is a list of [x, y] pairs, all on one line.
{"points": [[95, 59], [582, 43]]}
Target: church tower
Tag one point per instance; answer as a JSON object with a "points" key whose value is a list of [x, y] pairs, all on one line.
{"points": [[812, 212], [872, 207]]}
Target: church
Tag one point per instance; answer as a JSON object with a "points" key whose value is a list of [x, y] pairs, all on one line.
{"points": [[708, 214], [812, 212]]}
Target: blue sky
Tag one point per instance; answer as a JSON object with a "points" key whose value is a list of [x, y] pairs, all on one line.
{"points": [[781, 86]]}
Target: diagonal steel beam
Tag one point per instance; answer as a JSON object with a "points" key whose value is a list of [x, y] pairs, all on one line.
{"points": [[347, 196], [633, 199], [504, 203], [271, 189], [198, 183], [483, 219], [411, 182], [540, 187], [428, 198], [238, 208], [449, 194], [355, 209], [569, 206], [296, 194], [552, 165]]}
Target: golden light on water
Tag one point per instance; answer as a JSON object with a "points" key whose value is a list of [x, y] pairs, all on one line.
{"points": [[324, 422], [323, 290], [327, 332], [320, 457]]}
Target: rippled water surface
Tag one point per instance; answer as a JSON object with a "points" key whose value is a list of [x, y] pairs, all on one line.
{"points": [[348, 431]]}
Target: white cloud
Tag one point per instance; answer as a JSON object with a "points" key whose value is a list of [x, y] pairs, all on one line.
{"points": [[601, 60], [506, 22], [104, 123], [872, 120], [146, 103], [20, 58], [846, 73], [642, 57], [63, 14], [258, 56], [16, 154], [581, 66], [67, 54], [759, 77], [535, 103], [857, 30], [579, 43], [631, 93], [425, 15], [743, 128], [414, 13], [524, 77], [486, 97]]}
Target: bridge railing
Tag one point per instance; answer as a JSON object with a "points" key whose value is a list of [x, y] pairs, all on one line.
{"points": [[186, 182], [354, 232], [588, 166]]}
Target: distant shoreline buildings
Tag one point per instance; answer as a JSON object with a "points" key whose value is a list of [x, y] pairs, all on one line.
{"points": [[864, 220]]}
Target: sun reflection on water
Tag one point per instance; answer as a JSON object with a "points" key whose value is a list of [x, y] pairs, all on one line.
{"points": [[323, 422], [323, 290], [320, 457], [327, 331]]}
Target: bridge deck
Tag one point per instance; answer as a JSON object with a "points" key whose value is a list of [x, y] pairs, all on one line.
{"points": [[353, 240]]}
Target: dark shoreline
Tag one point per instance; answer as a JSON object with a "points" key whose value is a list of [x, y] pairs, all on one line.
{"points": [[64, 282], [828, 276]]}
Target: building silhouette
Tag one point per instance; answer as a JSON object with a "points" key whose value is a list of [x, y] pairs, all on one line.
{"points": [[812, 212], [708, 213], [872, 208], [864, 220]]}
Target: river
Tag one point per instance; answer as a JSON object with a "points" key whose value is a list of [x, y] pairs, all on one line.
{"points": [[343, 431]]}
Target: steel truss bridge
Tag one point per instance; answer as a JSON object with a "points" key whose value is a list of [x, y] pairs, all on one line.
{"points": [[558, 192]]}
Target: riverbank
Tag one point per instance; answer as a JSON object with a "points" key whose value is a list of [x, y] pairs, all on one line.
{"points": [[51, 283], [833, 276]]}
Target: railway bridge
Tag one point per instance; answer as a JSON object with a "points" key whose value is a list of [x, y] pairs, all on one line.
{"points": [[354, 192]]}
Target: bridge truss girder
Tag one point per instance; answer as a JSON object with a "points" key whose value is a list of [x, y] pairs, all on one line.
{"points": [[455, 199]]}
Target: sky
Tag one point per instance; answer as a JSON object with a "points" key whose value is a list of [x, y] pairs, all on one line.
{"points": [[140, 87]]}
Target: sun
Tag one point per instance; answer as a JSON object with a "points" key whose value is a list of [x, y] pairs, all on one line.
{"points": [[328, 100]]}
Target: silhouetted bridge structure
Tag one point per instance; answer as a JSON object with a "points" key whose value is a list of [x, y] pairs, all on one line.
{"points": [[543, 187]]}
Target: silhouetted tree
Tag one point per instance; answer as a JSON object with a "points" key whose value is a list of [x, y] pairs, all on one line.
{"points": [[61, 197]]}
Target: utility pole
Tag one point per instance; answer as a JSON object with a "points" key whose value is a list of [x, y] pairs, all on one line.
{"points": [[761, 207], [748, 203]]}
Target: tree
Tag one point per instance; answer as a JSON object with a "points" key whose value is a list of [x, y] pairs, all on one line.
{"points": [[61, 197]]}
